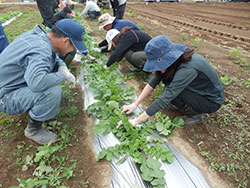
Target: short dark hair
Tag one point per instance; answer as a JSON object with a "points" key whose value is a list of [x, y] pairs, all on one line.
{"points": [[57, 33], [67, 10], [82, 1]]}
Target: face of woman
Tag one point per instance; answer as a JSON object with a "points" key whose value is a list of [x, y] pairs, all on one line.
{"points": [[164, 70], [108, 27]]}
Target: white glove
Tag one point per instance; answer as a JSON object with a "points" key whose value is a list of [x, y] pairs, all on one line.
{"points": [[132, 121], [106, 67], [90, 57], [129, 108], [70, 77]]}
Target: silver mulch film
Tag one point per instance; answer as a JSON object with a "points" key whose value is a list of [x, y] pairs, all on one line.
{"points": [[180, 174]]}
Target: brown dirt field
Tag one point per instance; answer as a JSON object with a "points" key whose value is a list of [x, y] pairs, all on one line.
{"points": [[221, 27]]}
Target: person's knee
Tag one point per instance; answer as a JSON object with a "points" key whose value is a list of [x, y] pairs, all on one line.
{"points": [[54, 95], [138, 61]]}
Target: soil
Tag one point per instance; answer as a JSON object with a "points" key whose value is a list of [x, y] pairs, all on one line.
{"points": [[221, 27], [95, 174]]}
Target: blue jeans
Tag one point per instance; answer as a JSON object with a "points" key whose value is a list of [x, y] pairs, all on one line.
{"points": [[42, 106]]}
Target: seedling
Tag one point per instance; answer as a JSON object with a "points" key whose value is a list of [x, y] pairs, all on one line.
{"points": [[133, 14], [141, 26], [226, 80], [183, 36], [243, 62], [235, 53], [195, 42]]}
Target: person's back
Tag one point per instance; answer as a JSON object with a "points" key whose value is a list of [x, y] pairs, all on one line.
{"points": [[108, 22], [128, 43], [139, 39], [119, 24], [14, 59], [65, 13], [91, 8]]}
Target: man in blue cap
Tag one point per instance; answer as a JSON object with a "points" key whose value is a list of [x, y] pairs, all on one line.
{"points": [[3, 39], [31, 71]]}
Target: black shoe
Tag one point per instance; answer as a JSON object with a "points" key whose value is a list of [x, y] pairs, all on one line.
{"points": [[191, 120]]}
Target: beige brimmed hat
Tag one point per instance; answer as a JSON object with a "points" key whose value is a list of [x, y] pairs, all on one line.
{"points": [[105, 19], [110, 35]]}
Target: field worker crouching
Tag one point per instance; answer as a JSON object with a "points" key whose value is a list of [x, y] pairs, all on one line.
{"points": [[91, 8], [108, 22], [128, 43], [191, 84], [31, 71]]}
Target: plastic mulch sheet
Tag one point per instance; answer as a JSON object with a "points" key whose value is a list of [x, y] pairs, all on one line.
{"points": [[180, 174], [11, 20]]}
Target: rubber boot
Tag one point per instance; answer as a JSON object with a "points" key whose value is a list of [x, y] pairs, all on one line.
{"points": [[35, 132]]}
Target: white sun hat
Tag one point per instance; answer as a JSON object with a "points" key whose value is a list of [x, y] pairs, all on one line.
{"points": [[110, 35], [105, 19]]}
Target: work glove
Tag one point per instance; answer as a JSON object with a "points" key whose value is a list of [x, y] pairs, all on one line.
{"points": [[70, 77], [90, 57], [106, 67], [133, 122], [129, 108]]}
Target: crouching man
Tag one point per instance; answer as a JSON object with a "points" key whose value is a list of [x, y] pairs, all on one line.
{"points": [[31, 71]]}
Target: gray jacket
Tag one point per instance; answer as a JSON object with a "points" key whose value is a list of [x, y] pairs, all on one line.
{"points": [[30, 61], [197, 76]]}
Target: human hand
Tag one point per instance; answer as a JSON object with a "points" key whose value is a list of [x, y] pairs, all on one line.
{"points": [[62, 5], [90, 57], [133, 122], [106, 67], [70, 77], [129, 108], [72, 14]]}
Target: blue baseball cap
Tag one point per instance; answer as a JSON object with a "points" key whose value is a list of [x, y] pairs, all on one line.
{"points": [[74, 31], [161, 53]]}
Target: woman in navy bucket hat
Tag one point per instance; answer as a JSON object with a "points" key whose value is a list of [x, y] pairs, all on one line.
{"points": [[192, 86]]}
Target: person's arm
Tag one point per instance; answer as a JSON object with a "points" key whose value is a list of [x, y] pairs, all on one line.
{"points": [[180, 81], [124, 44], [61, 4], [128, 109], [145, 92], [103, 43], [85, 10], [38, 74]]}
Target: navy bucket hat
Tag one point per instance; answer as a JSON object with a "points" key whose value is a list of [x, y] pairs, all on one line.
{"points": [[74, 31], [161, 53]]}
